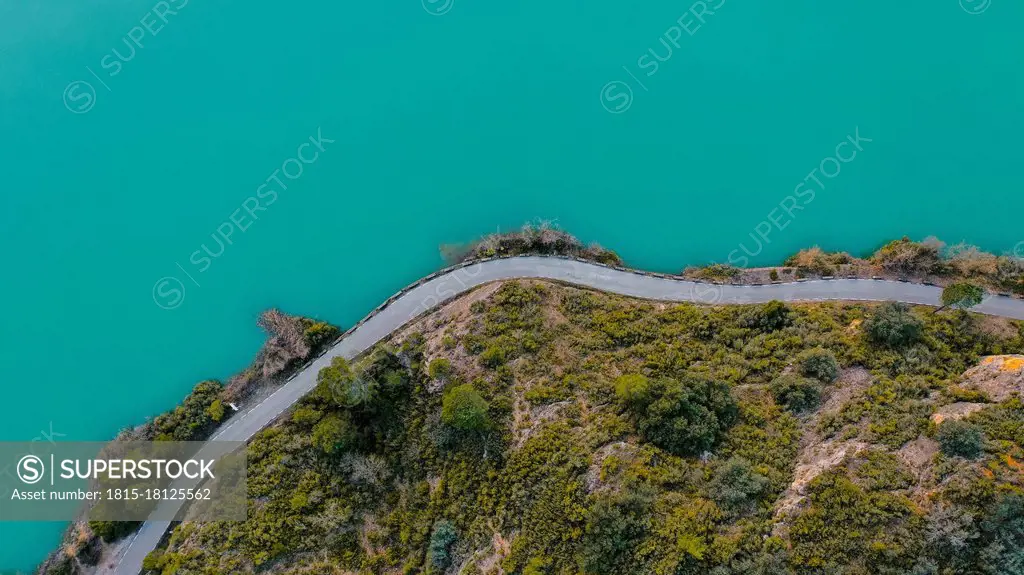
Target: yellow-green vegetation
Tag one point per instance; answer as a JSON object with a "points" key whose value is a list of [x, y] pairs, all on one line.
{"points": [[927, 260], [549, 430]]}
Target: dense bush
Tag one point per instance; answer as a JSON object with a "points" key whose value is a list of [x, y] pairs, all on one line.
{"points": [[736, 486], [465, 409], [319, 334], [959, 438], [846, 525], [962, 295], [906, 257], [894, 325], [334, 434], [112, 530], [440, 368], [193, 419], [819, 363], [540, 238], [345, 387], [441, 541], [796, 393], [683, 416], [817, 261], [616, 524], [768, 317]]}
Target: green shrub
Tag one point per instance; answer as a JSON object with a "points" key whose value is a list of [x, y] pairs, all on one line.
{"points": [[334, 434], [893, 325], [631, 388], [720, 272], [820, 364], [463, 408], [216, 410], [616, 524], [320, 334], [683, 417], [768, 317], [843, 525], [440, 368], [344, 387], [441, 541], [735, 485], [796, 393], [959, 438], [962, 295], [906, 257], [111, 531], [306, 416], [191, 420]]}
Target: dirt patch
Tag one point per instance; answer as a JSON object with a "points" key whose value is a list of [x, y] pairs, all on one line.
{"points": [[918, 455], [489, 560], [1000, 377], [813, 462], [816, 453], [449, 322], [955, 411], [851, 382], [369, 526], [619, 449], [527, 420]]}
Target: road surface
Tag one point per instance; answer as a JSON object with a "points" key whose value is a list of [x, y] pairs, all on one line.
{"points": [[425, 296]]}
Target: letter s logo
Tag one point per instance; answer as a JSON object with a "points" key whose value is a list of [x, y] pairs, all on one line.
{"points": [[79, 97]]}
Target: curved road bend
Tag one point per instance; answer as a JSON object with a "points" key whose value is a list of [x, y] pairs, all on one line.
{"points": [[427, 295]]}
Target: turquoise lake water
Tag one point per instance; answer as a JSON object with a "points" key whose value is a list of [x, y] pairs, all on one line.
{"points": [[447, 125]]}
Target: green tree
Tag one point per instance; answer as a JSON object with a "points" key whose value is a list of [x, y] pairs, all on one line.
{"points": [[795, 393], [343, 386], [961, 295], [820, 364], [893, 325], [216, 410], [959, 438], [112, 530], [334, 434], [318, 334], [684, 417], [768, 317], [440, 368], [463, 408], [735, 486], [616, 524], [441, 541], [631, 388]]}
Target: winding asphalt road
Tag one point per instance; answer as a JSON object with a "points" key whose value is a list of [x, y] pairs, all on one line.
{"points": [[425, 296]]}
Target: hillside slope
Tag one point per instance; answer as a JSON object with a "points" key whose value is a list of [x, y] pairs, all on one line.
{"points": [[534, 428]]}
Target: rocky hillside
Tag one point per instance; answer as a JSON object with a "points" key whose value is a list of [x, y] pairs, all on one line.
{"points": [[532, 428]]}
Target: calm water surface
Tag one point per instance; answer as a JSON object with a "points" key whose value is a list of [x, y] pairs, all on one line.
{"points": [[445, 127]]}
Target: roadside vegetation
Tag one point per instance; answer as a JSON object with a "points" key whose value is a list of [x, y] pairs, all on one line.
{"points": [[541, 238], [928, 260], [530, 428]]}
